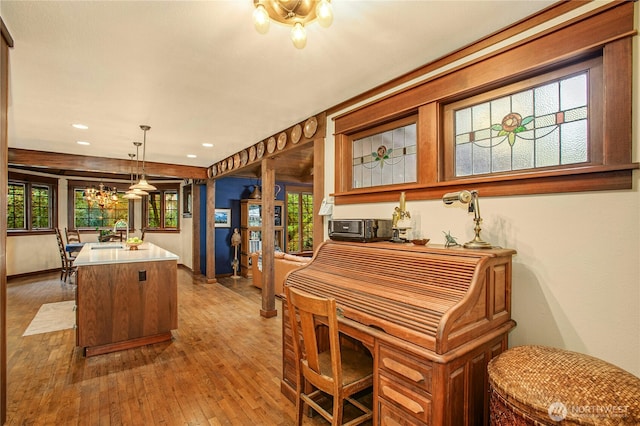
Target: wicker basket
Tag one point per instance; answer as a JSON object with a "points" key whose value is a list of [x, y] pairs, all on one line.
{"points": [[538, 385]]}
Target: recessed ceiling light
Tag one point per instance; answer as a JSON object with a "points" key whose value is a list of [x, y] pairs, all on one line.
{"points": [[207, 145], [192, 156], [80, 126], [83, 143]]}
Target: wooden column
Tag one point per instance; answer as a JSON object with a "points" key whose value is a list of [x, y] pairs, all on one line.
{"points": [[196, 269], [211, 235], [5, 43], [268, 239], [318, 192]]}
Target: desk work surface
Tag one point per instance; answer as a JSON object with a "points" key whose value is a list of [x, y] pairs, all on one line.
{"points": [[118, 252]]}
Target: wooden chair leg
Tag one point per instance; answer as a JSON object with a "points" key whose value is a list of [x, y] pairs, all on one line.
{"points": [[299, 411], [338, 406]]}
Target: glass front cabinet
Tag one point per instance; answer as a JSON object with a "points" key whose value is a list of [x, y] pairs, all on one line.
{"points": [[251, 231]]}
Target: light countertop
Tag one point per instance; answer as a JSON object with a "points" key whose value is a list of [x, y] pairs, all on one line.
{"points": [[118, 252]]}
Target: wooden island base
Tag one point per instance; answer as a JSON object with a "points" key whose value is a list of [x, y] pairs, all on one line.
{"points": [[125, 298], [133, 343]]}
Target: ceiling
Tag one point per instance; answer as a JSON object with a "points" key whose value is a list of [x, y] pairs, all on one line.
{"points": [[198, 72]]}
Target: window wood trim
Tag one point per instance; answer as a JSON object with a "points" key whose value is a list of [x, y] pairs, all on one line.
{"points": [[72, 185], [30, 180], [607, 33], [161, 188]]}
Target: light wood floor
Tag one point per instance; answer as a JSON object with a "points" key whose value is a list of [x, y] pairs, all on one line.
{"points": [[223, 366]]}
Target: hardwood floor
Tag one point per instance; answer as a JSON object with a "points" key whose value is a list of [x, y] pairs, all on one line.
{"points": [[223, 366]]}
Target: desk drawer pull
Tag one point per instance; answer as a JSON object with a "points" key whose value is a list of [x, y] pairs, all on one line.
{"points": [[403, 370], [399, 398]]}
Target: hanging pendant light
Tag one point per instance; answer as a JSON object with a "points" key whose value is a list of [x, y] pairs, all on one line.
{"points": [[142, 183], [131, 194], [132, 190]]}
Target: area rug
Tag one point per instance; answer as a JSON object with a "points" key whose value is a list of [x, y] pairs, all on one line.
{"points": [[52, 317]]}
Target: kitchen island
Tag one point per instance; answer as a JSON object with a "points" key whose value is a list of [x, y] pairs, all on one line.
{"points": [[125, 298]]}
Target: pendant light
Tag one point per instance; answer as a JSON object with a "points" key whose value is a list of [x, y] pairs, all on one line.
{"points": [[136, 191], [131, 194], [142, 183]]}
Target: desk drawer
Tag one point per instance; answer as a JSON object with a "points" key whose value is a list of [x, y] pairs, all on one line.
{"points": [[406, 368], [409, 402], [389, 416]]}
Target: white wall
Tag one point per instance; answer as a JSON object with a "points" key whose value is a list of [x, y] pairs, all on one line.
{"points": [[34, 253], [576, 277]]}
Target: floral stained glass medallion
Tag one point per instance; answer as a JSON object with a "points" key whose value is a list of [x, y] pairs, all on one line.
{"points": [[385, 158], [539, 127]]}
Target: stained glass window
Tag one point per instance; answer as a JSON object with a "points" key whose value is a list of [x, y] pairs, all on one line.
{"points": [[542, 126], [385, 158]]}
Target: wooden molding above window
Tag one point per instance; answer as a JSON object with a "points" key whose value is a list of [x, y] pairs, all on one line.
{"points": [[600, 41]]}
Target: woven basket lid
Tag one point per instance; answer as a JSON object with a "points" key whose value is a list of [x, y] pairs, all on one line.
{"points": [[553, 385]]}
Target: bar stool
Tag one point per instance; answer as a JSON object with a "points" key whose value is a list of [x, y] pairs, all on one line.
{"points": [[539, 385]]}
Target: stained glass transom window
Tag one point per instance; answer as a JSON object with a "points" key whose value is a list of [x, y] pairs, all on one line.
{"points": [[539, 127], [385, 158]]}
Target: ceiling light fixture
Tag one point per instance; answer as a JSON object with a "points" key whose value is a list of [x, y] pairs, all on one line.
{"points": [[142, 183], [131, 194], [80, 126], [294, 13], [103, 196], [83, 143], [136, 191]]}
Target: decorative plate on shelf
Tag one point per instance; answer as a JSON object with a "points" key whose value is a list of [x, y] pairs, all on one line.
{"points": [[230, 163], [310, 127], [223, 165], [252, 152], [210, 172], [260, 149], [296, 134], [244, 156], [271, 145], [282, 140], [236, 161]]}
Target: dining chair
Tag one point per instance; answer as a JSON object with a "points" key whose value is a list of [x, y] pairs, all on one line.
{"points": [[336, 371], [67, 267], [72, 236]]}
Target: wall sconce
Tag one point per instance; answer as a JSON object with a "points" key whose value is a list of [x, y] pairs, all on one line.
{"points": [[294, 13], [471, 198]]}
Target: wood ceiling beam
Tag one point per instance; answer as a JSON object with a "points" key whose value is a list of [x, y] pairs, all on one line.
{"points": [[83, 163]]}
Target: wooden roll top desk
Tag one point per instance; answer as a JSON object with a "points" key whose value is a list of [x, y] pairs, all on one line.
{"points": [[432, 317]]}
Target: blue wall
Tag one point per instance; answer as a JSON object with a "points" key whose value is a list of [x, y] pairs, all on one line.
{"points": [[229, 192]]}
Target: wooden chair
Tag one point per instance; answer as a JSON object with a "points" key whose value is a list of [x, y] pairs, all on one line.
{"points": [[67, 268], [72, 236], [338, 371]]}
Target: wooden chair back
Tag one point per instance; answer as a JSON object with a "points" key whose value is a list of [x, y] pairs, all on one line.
{"points": [[67, 268], [72, 236], [321, 367]]}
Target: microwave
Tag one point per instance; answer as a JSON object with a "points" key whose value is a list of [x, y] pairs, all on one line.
{"points": [[363, 230]]}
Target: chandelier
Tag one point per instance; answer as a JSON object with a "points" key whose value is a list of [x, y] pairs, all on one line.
{"points": [[294, 13], [142, 183], [104, 197]]}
